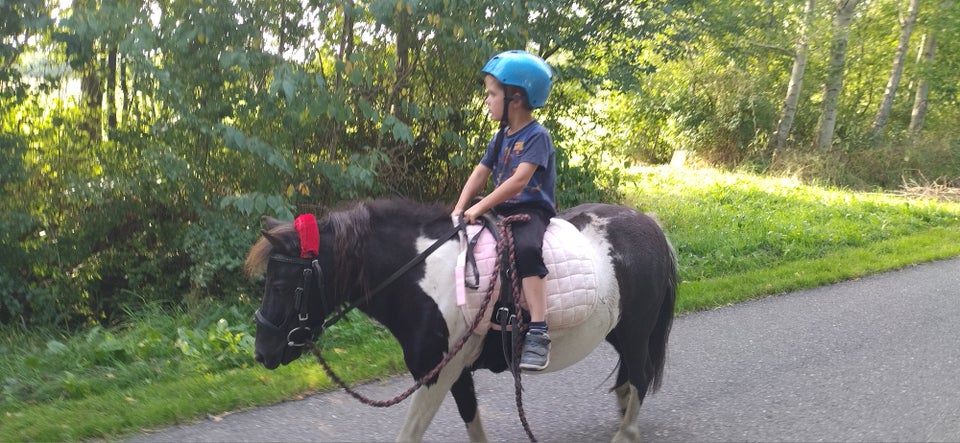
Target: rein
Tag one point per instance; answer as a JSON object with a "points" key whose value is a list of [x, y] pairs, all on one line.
{"points": [[393, 277]]}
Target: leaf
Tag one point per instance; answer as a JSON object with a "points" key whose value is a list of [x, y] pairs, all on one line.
{"points": [[289, 88], [401, 132], [275, 203], [233, 138], [368, 112], [260, 204]]}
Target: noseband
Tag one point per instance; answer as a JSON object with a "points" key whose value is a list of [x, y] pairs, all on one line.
{"points": [[311, 279]]}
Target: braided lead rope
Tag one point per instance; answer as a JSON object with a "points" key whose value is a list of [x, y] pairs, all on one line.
{"points": [[519, 328]]}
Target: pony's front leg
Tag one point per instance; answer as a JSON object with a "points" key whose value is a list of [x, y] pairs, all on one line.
{"points": [[426, 402], [465, 395]]}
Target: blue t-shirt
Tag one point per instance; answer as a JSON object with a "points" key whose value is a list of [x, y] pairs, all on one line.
{"points": [[531, 144]]}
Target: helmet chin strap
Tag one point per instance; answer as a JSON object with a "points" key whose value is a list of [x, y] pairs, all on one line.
{"points": [[504, 120], [504, 123]]}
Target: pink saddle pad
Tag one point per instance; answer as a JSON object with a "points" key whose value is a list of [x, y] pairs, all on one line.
{"points": [[571, 283]]}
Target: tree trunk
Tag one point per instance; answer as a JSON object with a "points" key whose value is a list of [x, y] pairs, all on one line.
{"points": [[919, 112], [906, 29], [346, 50], [402, 71], [111, 96], [91, 93], [779, 139], [834, 82]]}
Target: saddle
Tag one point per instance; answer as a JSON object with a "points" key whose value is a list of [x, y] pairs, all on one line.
{"points": [[571, 284]]}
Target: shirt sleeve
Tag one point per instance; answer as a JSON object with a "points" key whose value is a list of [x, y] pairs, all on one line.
{"points": [[536, 150]]}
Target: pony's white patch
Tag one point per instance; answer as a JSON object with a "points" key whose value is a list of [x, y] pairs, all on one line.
{"points": [[438, 280], [603, 255]]}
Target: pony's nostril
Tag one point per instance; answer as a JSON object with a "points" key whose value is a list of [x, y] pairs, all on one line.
{"points": [[258, 357]]}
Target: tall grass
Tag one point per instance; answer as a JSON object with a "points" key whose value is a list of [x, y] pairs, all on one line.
{"points": [[723, 224], [737, 236]]}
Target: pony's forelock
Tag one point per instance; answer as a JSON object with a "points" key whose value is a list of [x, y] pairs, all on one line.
{"points": [[259, 254]]}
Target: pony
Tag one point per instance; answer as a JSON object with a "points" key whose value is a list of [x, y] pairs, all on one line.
{"points": [[351, 252]]}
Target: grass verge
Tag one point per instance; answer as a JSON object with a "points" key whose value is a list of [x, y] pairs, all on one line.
{"points": [[113, 414], [849, 263]]}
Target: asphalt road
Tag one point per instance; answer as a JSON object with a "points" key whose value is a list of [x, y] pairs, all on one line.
{"points": [[876, 359]]}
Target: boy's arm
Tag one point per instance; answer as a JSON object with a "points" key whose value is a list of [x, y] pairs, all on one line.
{"points": [[473, 186], [509, 188]]}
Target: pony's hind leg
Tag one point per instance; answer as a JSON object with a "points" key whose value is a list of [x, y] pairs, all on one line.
{"points": [[631, 386], [465, 396], [628, 399]]}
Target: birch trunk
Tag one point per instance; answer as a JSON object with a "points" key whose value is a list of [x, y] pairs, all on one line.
{"points": [[779, 139], [906, 30], [919, 113], [834, 82]]}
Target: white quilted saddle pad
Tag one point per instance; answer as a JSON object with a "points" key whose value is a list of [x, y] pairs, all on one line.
{"points": [[571, 283]]}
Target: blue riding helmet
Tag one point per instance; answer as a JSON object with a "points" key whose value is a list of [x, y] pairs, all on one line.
{"points": [[524, 70]]}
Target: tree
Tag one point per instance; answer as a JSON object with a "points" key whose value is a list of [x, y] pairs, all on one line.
{"points": [[834, 80], [937, 26], [906, 29], [779, 139], [924, 59]]}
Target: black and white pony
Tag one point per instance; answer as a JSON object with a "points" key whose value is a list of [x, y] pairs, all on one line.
{"points": [[360, 247]]}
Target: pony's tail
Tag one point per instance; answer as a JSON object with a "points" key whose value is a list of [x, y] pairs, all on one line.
{"points": [[657, 346]]}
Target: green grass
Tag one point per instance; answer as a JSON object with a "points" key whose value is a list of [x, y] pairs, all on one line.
{"points": [[738, 237]]}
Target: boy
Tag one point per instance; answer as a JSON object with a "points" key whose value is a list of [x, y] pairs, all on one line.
{"points": [[521, 159]]}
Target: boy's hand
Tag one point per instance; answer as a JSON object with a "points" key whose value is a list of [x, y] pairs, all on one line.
{"points": [[471, 215]]}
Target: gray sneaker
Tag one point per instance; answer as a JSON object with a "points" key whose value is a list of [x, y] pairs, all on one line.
{"points": [[536, 352]]}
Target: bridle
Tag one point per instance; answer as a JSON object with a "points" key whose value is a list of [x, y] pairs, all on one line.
{"points": [[311, 280]]}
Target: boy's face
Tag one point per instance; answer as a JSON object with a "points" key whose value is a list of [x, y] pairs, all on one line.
{"points": [[494, 100]]}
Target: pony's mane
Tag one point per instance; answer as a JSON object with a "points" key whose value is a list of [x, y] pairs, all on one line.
{"points": [[351, 229]]}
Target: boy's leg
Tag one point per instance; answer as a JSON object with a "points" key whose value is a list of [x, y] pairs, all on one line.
{"points": [[535, 293], [536, 345], [529, 240]]}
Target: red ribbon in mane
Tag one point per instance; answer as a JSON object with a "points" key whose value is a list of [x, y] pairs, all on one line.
{"points": [[309, 233]]}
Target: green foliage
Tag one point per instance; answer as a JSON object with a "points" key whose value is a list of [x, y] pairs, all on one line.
{"points": [[141, 141], [214, 249], [589, 180]]}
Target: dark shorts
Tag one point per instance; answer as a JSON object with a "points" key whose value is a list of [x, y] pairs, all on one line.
{"points": [[528, 238]]}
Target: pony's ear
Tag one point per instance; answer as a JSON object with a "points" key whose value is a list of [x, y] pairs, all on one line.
{"points": [[274, 240], [269, 222]]}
